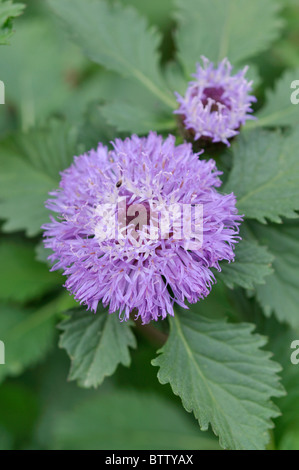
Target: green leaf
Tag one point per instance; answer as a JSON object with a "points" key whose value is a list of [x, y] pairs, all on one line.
{"points": [[280, 294], [281, 339], [136, 119], [22, 278], [106, 86], [157, 12], [8, 11], [118, 38], [94, 129], [96, 344], [128, 420], [128, 106], [218, 304], [265, 175], [30, 165], [236, 29], [223, 377], [28, 335], [279, 110], [53, 86], [252, 264], [42, 253], [175, 77]]}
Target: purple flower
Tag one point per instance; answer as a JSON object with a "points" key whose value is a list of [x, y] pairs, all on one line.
{"points": [[216, 103], [123, 267]]}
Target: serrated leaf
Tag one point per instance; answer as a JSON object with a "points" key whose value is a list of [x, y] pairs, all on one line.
{"points": [[128, 420], [93, 129], [252, 264], [223, 377], [8, 11], [96, 344], [30, 165], [279, 110], [128, 106], [175, 77], [280, 293], [118, 38], [237, 29], [35, 86], [265, 175], [157, 12], [136, 119], [27, 334], [62, 87], [22, 278]]}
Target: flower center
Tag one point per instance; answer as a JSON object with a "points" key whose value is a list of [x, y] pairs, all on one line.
{"points": [[216, 94]]}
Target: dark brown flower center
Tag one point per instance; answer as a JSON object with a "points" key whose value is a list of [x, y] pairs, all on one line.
{"points": [[216, 94]]}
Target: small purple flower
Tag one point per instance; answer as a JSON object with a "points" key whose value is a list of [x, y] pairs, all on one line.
{"points": [[142, 275], [216, 103]]}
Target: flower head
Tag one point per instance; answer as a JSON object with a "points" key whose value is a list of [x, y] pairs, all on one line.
{"points": [[216, 103], [130, 264]]}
